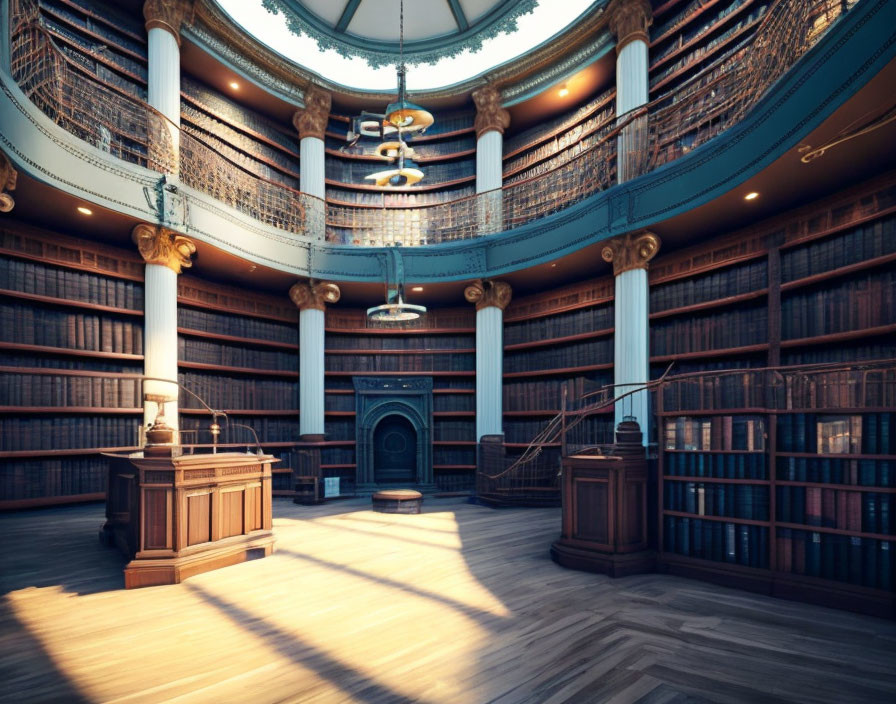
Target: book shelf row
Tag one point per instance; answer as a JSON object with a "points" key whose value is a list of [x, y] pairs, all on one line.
{"points": [[714, 499], [25, 324], [853, 511]]}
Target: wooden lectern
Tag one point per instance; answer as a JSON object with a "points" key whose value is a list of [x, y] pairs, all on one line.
{"points": [[605, 509], [175, 517]]}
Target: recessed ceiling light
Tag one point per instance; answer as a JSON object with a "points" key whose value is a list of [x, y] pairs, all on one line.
{"points": [[84, 211], [751, 196], [234, 85], [563, 92], [553, 265], [417, 289]]}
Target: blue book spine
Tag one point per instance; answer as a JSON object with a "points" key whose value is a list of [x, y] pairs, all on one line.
{"points": [[692, 464], [869, 562], [730, 467], [869, 434], [741, 466], [841, 559], [721, 504], [828, 556], [718, 541], [866, 473], [883, 514], [707, 540], [691, 498], [783, 504], [790, 474], [701, 465], [826, 473], [697, 538], [748, 503], [813, 555], [744, 545], [762, 558], [761, 502], [883, 434], [837, 472], [801, 472], [799, 433], [885, 474], [855, 560], [730, 500], [886, 565], [798, 504], [730, 542], [869, 513], [685, 536]]}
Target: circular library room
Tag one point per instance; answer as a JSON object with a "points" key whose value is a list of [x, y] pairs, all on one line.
{"points": [[448, 351]]}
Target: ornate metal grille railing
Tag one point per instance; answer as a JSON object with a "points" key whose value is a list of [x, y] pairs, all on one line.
{"points": [[700, 108]]}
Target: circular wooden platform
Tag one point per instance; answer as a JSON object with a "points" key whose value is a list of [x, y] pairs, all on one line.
{"points": [[397, 501]]}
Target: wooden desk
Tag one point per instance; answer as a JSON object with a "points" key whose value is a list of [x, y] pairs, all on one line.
{"points": [[179, 516]]}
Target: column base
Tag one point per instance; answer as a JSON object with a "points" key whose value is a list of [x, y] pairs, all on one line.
{"points": [[612, 564]]}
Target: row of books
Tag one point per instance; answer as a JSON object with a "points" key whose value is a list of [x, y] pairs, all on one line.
{"points": [[354, 172], [560, 356], [519, 430], [454, 429], [52, 361], [119, 28], [46, 390], [731, 281], [676, 19], [691, 32], [575, 322], [393, 200], [562, 158], [339, 402], [857, 244], [195, 429], [33, 325], [435, 319], [741, 465], [68, 432], [727, 432], [454, 402], [453, 455], [716, 540], [590, 431], [228, 392], [32, 479], [563, 147], [223, 109], [58, 282], [730, 500], [201, 351], [843, 558], [866, 433], [546, 394], [828, 470], [855, 511], [337, 455], [236, 325], [340, 428], [853, 304], [696, 55], [336, 341], [724, 329], [454, 481], [838, 353], [364, 363]]}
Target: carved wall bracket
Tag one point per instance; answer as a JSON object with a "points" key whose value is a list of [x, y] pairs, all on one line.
{"points": [[312, 121], [489, 113], [628, 20], [488, 293], [631, 251], [168, 14], [314, 296], [159, 245], [8, 177]]}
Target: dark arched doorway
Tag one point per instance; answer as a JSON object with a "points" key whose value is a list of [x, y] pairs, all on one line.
{"points": [[395, 451]]}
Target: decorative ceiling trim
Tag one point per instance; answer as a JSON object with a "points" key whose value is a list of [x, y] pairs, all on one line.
{"points": [[501, 19], [348, 14], [462, 24]]}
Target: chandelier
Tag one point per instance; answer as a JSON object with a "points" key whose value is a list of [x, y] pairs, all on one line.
{"points": [[402, 120], [395, 310]]}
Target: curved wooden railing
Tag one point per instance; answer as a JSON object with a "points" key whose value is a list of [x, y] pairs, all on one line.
{"points": [[706, 104]]}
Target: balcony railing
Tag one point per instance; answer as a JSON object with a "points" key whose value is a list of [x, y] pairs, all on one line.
{"points": [[700, 108]]}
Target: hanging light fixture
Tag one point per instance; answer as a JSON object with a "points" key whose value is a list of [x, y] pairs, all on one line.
{"points": [[395, 310], [402, 119]]}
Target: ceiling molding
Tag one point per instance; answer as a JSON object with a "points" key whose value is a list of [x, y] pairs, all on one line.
{"points": [[351, 7], [462, 24]]}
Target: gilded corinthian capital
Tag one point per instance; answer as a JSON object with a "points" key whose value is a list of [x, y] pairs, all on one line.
{"points": [[632, 251], [489, 113], [314, 296], [312, 120], [628, 20], [167, 14], [8, 176], [488, 293], [159, 245]]}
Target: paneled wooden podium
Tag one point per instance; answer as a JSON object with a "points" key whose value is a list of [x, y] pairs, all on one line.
{"points": [[175, 517], [605, 510]]}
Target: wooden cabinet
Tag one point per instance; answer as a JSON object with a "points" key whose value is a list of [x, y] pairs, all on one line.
{"points": [[175, 517]]}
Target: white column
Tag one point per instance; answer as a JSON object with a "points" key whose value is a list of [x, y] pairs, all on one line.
{"points": [[311, 299], [628, 20], [311, 372], [491, 121], [163, 78], [489, 371], [630, 255], [311, 124], [489, 150], [160, 340], [165, 254], [491, 298], [631, 345]]}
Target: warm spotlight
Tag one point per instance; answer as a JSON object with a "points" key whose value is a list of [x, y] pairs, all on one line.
{"points": [[417, 289], [84, 211], [234, 85], [751, 196], [563, 92]]}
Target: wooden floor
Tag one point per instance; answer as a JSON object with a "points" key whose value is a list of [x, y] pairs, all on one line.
{"points": [[459, 604]]}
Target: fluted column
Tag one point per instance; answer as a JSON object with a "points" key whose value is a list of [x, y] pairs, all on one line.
{"points": [[163, 22], [628, 20], [491, 298], [311, 299], [491, 121], [8, 178], [311, 124], [165, 254], [630, 255]]}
